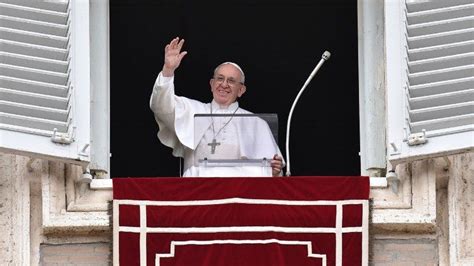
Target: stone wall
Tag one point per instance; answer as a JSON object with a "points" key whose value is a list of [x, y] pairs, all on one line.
{"points": [[76, 254], [407, 250], [48, 217], [14, 210], [427, 217]]}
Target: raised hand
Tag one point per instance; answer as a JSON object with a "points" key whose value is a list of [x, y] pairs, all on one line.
{"points": [[173, 56]]}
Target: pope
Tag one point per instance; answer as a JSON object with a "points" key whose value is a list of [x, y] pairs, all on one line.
{"points": [[219, 138]]}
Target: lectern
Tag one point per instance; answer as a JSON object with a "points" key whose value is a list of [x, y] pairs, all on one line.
{"points": [[234, 145]]}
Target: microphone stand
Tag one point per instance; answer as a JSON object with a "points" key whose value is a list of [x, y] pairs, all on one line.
{"points": [[324, 58]]}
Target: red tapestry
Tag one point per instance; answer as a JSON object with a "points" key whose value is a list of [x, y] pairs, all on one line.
{"points": [[241, 221]]}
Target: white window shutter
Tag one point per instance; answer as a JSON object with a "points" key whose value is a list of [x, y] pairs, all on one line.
{"points": [[430, 78], [45, 79]]}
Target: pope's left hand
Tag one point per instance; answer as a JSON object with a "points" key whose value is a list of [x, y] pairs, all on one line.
{"points": [[276, 164]]}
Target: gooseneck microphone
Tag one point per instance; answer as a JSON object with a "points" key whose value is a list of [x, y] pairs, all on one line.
{"points": [[324, 58]]}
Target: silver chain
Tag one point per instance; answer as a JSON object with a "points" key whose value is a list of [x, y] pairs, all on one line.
{"points": [[213, 130]]}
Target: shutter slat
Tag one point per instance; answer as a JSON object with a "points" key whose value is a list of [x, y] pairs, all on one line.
{"points": [[34, 74], [32, 122], [414, 6], [33, 38], [57, 5], [442, 111], [33, 111], [33, 86], [444, 12], [33, 62], [28, 130], [440, 26], [33, 26], [441, 38], [33, 98], [440, 50], [465, 122], [33, 13], [441, 75], [442, 99], [441, 62], [33, 50], [442, 87]]}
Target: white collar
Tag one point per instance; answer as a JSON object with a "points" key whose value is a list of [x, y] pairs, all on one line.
{"points": [[232, 107]]}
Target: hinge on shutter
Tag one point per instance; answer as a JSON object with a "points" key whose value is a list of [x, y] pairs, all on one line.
{"points": [[417, 138], [63, 138]]}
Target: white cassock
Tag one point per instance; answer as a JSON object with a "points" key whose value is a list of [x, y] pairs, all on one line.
{"points": [[238, 137]]}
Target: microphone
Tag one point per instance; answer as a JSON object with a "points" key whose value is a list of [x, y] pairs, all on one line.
{"points": [[324, 58]]}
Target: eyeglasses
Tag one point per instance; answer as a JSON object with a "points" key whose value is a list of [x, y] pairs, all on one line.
{"points": [[231, 81]]}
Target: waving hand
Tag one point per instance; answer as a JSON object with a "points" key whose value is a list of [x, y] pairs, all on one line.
{"points": [[173, 56]]}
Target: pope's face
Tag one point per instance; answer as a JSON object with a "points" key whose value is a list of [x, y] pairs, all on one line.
{"points": [[226, 85]]}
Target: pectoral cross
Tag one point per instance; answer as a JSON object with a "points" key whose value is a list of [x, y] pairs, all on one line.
{"points": [[213, 145]]}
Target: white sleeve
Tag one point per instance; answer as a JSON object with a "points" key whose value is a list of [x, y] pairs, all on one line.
{"points": [[174, 115], [162, 100], [163, 105]]}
